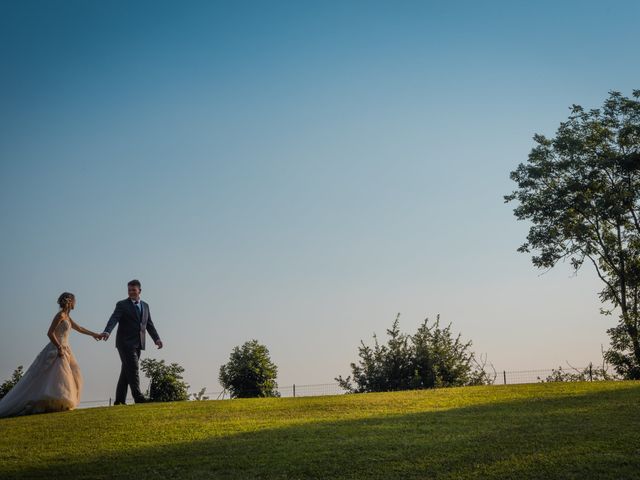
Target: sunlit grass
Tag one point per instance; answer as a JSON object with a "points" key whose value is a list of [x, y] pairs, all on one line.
{"points": [[571, 430]]}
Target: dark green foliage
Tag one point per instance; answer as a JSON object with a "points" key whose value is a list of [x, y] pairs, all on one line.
{"points": [[9, 384], [432, 357], [581, 192], [167, 384], [249, 372]]}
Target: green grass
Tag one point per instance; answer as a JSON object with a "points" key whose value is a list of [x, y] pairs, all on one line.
{"points": [[570, 430]]}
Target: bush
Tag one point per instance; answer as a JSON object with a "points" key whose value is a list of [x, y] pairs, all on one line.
{"points": [[432, 357], [9, 384], [249, 372], [200, 395], [166, 384], [589, 374]]}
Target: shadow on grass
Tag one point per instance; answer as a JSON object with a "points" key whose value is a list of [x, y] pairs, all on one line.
{"points": [[596, 435]]}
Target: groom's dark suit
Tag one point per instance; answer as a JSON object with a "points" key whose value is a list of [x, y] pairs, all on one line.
{"points": [[133, 322]]}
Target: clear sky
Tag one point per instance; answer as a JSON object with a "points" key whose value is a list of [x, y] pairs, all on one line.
{"points": [[294, 172]]}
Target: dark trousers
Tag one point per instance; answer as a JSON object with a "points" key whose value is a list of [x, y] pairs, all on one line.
{"points": [[129, 376]]}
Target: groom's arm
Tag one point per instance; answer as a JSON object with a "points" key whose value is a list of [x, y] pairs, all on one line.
{"points": [[152, 330], [113, 320]]}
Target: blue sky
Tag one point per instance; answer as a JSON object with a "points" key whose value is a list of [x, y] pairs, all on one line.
{"points": [[294, 172]]}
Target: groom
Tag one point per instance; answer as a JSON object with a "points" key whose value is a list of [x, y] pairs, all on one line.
{"points": [[134, 318]]}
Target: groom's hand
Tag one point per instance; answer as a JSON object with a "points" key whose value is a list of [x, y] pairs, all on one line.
{"points": [[104, 336], [159, 343]]}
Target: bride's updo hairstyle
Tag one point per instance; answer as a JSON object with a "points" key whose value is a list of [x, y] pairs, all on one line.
{"points": [[66, 300]]}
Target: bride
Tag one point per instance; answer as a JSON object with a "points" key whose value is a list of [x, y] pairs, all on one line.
{"points": [[53, 381]]}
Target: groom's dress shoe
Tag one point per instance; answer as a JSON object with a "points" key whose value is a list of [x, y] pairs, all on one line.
{"points": [[119, 403]]}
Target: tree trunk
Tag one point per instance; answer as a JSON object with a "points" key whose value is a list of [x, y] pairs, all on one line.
{"points": [[630, 323]]}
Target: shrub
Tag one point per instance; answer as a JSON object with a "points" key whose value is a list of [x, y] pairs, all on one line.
{"points": [[166, 384], [589, 374], [249, 372], [9, 384], [200, 395], [433, 357]]}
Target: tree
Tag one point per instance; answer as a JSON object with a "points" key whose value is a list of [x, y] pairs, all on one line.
{"points": [[7, 385], [432, 357], [166, 384], [249, 372], [581, 192]]}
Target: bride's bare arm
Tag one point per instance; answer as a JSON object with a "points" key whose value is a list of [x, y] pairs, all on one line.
{"points": [[54, 323], [80, 329]]}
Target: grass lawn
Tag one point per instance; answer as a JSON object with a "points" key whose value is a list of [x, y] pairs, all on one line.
{"points": [[545, 431]]}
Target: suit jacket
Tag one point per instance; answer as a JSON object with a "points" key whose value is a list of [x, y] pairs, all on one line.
{"points": [[131, 327]]}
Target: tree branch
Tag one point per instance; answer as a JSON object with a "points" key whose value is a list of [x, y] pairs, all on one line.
{"points": [[611, 287]]}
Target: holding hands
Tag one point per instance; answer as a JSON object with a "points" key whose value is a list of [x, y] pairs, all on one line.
{"points": [[105, 336]]}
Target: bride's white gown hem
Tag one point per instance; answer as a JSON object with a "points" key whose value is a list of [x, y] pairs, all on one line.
{"points": [[51, 384]]}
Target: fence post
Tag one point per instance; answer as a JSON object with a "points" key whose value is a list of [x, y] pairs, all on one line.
{"points": [[590, 372], [109, 401], [294, 390], [504, 375]]}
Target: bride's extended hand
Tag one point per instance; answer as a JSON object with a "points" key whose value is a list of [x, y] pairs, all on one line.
{"points": [[97, 336]]}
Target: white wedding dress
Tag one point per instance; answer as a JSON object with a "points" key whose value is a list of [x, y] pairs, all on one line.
{"points": [[51, 384]]}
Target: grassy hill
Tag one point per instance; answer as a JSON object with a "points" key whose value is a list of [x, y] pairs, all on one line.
{"points": [[571, 430]]}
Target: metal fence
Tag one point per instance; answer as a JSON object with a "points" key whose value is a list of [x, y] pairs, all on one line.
{"points": [[503, 377]]}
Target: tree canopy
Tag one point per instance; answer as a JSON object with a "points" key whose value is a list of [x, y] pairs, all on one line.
{"points": [[581, 192]]}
